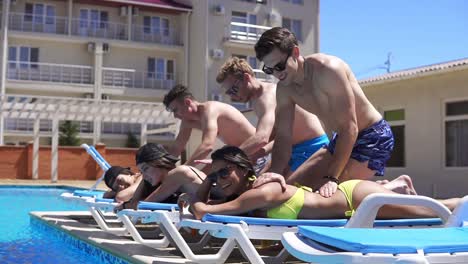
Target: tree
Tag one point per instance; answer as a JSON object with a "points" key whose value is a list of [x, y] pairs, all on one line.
{"points": [[132, 141], [69, 134]]}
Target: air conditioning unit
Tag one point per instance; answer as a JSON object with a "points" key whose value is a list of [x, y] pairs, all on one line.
{"points": [[88, 95], [135, 11], [123, 11], [105, 47], [91, 47], [105, 97], [217, 54], [219, 10]]}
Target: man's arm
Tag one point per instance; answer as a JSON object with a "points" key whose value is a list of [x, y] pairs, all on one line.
{"points": [[181, 140], [342, 107], [265, 111], [209, 127], [283, 137]]}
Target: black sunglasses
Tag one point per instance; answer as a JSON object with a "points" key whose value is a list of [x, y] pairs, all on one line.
{"points": [[234, 88], [279, 67], [222, 173]]}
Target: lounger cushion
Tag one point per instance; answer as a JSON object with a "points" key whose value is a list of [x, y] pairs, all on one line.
{"points": [[394, 241], [157, 206], [88, 193], [316, 222], [104, 200], [271, 221]]}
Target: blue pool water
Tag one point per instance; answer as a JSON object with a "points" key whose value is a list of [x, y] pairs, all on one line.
{"points": [[24, 241]]}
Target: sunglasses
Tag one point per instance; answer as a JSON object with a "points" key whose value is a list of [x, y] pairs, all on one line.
{"points": [[279, 67], [221, 173], [233, 89]]}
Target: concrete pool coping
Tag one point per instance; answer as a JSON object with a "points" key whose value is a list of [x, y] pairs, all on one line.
{"points": [[81, 226]]}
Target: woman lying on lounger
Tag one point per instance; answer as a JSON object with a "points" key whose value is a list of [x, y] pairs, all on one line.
{"points": [[163, 182], [234, 175]]}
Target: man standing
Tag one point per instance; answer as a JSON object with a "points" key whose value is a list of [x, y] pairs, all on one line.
{"points": [[214, 119], [325, 86], [238, 80]]}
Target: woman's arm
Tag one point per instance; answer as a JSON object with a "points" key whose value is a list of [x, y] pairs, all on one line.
{"points": [[266, 196], [128, 193]]}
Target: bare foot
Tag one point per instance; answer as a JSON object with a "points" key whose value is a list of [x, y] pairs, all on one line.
{"points": [[402, 185]]}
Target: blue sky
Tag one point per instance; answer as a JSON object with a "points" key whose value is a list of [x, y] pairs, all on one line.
{"points": [[417, 32]]}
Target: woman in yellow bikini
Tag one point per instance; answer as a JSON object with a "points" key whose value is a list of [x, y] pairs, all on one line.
{"points": [[234, 175]]}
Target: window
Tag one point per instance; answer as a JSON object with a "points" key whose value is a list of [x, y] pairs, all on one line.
{"points": [[295, 26], [26, 56], [120, 128], [252, 61], [156, 25], [456, 134], [161, 69], [243, 32], [296, 2], [396, 119], [94, 19]]}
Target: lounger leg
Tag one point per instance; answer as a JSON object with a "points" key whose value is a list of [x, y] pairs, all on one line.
{"points": [[154, 243], [172, 232], [99, 218]]}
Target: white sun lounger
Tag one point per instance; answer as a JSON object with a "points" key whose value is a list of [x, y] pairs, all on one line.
{"points": [[358, 242], [165, 215]]}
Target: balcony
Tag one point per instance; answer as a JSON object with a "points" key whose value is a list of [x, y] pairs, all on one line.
{"points": [[165, 36], [49, 72], [245, 33], [129, 78], [96, 29], [34, 23]]}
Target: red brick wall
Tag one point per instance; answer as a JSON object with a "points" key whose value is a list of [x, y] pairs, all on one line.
{"points": [[74, 163]]}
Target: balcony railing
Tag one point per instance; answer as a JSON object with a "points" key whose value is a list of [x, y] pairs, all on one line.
{"points": [[167, 36], [49, 72], [35, 23], [97, 29], [129, 78], [246, 32]]}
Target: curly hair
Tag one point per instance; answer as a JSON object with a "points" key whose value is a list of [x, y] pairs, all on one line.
{"points": [[236, 67], [178, 92], [235, 156], [276, 37]]}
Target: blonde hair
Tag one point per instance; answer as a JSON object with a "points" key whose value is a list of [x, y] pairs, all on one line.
{"points": [[234, 66]]}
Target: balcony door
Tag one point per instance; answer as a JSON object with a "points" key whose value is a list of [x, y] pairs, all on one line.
{"points": [[41, 17], [243, 32], [93, 22]]}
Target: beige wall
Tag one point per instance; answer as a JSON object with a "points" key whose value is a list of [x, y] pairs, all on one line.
{"points": [[423, 99]]}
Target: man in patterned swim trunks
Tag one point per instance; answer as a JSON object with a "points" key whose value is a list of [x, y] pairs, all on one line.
{"points": [[325, 86]]}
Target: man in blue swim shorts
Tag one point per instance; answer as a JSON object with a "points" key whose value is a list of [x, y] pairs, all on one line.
{"points": [[238, 80], [325, 86]]}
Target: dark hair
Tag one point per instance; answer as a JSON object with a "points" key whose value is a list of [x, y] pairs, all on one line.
{"points": [[155, 155], [177, 92], [276, 37], [111, 175], [235, 156]]}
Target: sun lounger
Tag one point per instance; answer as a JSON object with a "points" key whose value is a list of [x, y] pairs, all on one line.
{"points": [[359, 243], [165, 215]]}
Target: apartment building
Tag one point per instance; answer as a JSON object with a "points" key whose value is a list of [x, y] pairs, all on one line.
{"points": [[132, 51]]}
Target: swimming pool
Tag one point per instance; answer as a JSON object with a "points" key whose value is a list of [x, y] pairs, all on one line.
{"points": [[27, 241]]}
